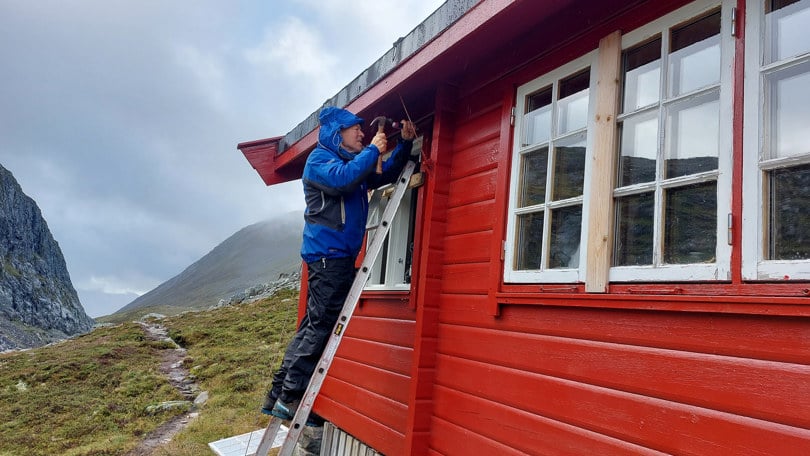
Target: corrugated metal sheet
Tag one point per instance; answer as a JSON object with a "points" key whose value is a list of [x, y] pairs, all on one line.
{"points": [[336, 442]]}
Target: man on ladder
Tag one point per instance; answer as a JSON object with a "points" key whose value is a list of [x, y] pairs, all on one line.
{"points": [[337, 176]]}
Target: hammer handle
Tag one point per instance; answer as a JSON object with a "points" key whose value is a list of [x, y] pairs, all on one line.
{"points": [[380, 129]]}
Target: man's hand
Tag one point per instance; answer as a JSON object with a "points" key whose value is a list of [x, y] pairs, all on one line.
{"points": [[380, 141], [408, 130]]}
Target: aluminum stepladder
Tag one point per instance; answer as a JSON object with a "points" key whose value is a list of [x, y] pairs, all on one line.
{"points": [[321, 369]]}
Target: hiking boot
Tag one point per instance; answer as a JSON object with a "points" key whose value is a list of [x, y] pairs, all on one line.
{"points": [[285, 410], [269, 402]]}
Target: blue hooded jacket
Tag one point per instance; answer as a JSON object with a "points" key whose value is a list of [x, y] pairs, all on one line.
{"points": [[336, 184]]}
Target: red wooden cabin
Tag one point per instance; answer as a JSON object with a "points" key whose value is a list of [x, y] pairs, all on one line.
{"points": [[611, 250]]}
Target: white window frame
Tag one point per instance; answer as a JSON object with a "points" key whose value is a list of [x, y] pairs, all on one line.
{"points": [[395, 249], [721, 268], [755, 266], [561, 275]]}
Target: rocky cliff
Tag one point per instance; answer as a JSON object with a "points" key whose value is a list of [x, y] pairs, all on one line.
{"points": [[38, 303]]}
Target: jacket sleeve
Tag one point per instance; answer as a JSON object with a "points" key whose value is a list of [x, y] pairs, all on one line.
{"points": [[332, 175], [393, 166]]}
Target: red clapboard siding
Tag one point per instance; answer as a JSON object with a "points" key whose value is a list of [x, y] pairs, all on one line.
{"points": [[468, 278], [471, 218], [538, 435], [382, 306], [381, 409], [376, 380], [468, 248], [473, 189], [383, 356], [654, 423], [470, 139], [447, 438], [477, 157], [759, 389], [385, 330], [472, 106], [382, 438], [465, 307], [783, 339]]}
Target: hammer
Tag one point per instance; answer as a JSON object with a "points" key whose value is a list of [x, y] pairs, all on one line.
{"points": [[380, 121]]}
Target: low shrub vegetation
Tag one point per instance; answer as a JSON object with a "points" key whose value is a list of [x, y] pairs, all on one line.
{"points": [[89, 395]]}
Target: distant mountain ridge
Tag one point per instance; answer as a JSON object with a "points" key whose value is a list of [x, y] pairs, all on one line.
{"points": [[38, 304], [257, 254]]}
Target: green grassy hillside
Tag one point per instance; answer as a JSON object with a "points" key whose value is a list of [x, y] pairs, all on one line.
{"points": [[89, 396]]}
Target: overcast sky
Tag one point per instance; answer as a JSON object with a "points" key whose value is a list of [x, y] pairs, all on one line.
{"points": [[121, 118]]}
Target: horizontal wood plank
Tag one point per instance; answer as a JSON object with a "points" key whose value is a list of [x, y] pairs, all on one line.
{"points": [[383, 356], [477, 157], [382, 409], [479, 216], [468, 247], [534, 434], [394, 307], [648, 422], [470, 278], [447, 438], [759, 389], [386, 330], [473, 189], [382, 438], [783, 339], [378, 381]]}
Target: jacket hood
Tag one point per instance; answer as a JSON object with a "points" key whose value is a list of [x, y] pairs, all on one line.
{"points": [[333, 120]]}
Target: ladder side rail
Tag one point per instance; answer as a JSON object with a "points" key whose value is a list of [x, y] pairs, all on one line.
{"points": [[321, 369], [268, 437]]}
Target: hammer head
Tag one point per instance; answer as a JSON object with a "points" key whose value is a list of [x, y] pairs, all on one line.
{"points": [[380, 122]]}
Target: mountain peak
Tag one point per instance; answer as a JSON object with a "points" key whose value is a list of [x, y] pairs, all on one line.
{"points": [[256, 254], [38, 303]]}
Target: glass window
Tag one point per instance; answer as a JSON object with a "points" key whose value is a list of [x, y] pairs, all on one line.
{"points": [[392, 268], [694, 133], [639, 148], [776, 233], [790, 214], [642, 75], [548, 176], [789, 109], [669, 149], [633, 245], [786, 30], [694, 59]]}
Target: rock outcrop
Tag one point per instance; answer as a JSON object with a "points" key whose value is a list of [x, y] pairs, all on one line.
{"points": [[38, 304]]}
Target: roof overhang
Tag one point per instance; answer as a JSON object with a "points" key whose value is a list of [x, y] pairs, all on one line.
{"points": [[436, 52]]}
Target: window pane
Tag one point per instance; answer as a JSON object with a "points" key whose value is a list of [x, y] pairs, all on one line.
{"points": [[642, 75], [634, 231], [639, 148], [695, 58], [569, 168], [565, 237], [787, 30], [537, 121], [529, 246], [790, 111], [790, 214], [533, 178], [573, 104], [693, 135], [690, 231]]}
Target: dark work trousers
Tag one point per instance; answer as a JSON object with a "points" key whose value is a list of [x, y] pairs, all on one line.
{"points": [[330, 280]]}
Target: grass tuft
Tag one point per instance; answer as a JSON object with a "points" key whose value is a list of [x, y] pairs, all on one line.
{"points": [[91, 395]]}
